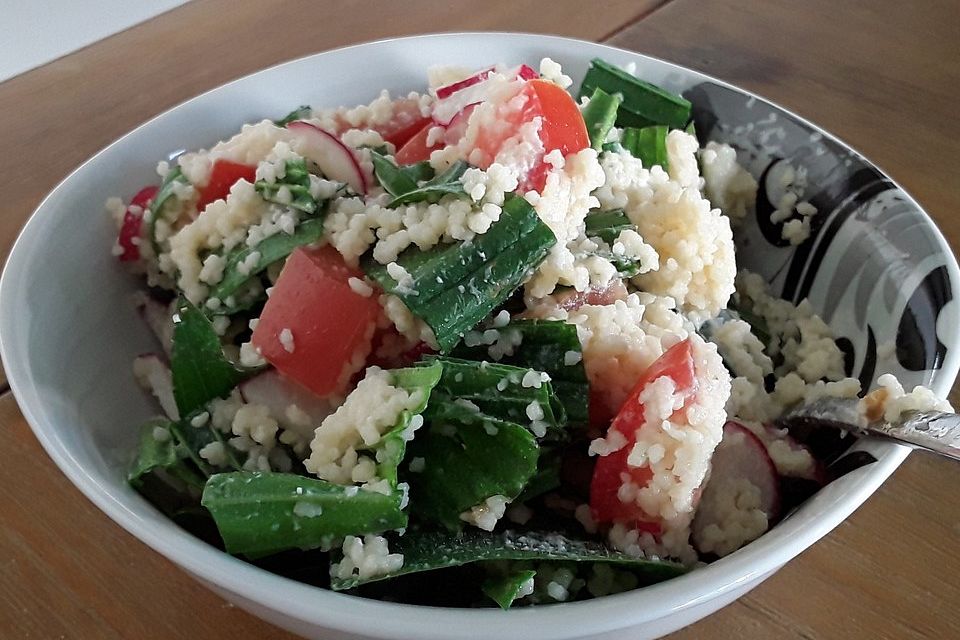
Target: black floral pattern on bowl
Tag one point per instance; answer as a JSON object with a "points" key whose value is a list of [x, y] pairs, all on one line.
{"points": [[872, 267]]}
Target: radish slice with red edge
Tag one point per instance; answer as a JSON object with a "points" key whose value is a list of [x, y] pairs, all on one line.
{"points": [[458, 126], [446, 111], [523, 72], [132, 222], [336, 160], [526, 73], [740, 456], [450, 89], [473, 90]]}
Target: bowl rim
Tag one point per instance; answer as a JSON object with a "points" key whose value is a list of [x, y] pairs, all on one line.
{"points": [[355, 614]]}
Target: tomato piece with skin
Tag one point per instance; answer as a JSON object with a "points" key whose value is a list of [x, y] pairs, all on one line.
{"points": [[492, 137], [536, 178], [328, 321], [402, 134], [563, 126], [612, 470], [223, 175], [527, 73], [416, 149], [599, 411], [143, 197], [132, 224], [405, 121]]}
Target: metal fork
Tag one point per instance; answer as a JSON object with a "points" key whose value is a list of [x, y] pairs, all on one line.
{"points": [[935, 431]]}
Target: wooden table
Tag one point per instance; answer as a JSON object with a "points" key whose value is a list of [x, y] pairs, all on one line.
{"points": [[882, 75]]}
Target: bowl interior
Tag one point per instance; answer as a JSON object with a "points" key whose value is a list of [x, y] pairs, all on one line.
{"points": [[877, 269]]}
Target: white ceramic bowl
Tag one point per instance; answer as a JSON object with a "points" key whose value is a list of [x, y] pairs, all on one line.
{"points": [[69, 333]]}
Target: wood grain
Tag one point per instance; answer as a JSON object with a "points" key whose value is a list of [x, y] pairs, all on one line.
{"points": [[881, 75], [66, 571]]}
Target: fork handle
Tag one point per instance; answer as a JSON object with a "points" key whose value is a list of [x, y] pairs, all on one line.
{"points": [[935, 431]]}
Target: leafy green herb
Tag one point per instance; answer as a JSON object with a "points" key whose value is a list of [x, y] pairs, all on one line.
{"points": [[168, 187], [200, 370], [269, 250], [296, 181], [546, 345], [427, 551], [649, 144], [456, 285], [161, 454], [398, 181], [644, 104], [607, 225], [505, 588], [299, 113], [446, 183], [391, 449], [263, 513], [626, 267], [464, 464], [498, 391], [612, 147], [547, 477], [192, 439], [600, 115], [758, 326]]}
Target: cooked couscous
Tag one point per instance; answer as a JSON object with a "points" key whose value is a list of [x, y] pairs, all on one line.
{"points": [[489, 329]]}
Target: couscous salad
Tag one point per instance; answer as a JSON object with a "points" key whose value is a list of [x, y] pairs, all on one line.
{"points": [[495, 329]]}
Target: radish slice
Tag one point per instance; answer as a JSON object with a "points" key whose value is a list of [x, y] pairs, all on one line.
{"points": [[526, 73], [336, 160], [474, 89], [153, 375], [159, 317], [445, 111], [450, 89], [458, 126], [572, 300], [523, 72], [278, 393], [729, 514]]}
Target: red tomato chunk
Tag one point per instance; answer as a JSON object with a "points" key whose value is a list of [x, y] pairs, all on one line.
{"points": [[329, 323], [129, 236], [224, 175], [563, 126], [612, 470], [415, 149]]}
